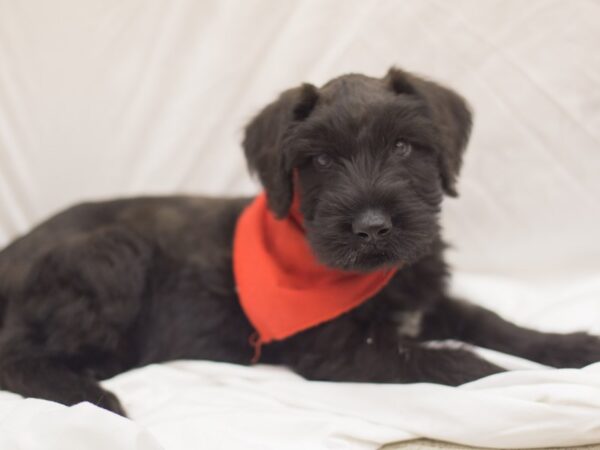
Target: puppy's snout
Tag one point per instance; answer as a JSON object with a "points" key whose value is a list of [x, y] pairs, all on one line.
{"points": [[371, 225]]}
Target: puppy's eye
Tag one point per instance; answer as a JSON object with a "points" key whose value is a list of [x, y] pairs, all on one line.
{"points": [[402, 148], [322, 161]]}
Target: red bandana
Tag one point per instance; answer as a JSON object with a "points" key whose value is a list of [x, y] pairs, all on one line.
{"points": [[282, 287]]}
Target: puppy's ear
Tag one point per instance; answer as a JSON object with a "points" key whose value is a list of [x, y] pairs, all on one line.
{"points": [[449, 111], [264, 144]]}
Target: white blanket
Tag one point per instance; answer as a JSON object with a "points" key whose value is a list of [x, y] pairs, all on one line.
{"points": [[189, 405], [125, 97]]}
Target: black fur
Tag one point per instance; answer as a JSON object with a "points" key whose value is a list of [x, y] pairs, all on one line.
{"points": [[105, 287]]}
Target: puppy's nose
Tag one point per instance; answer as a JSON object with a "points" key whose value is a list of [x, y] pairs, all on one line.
{"points": [[371, 225]]}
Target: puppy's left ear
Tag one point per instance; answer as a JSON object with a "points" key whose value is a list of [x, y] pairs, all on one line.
{"points": [[449, 111], [264, 144]]}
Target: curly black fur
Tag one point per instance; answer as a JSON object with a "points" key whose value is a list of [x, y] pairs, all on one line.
{"points": [[105, 287]]}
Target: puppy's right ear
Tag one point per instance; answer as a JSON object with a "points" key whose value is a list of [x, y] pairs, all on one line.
{"points": [[264, 144]]}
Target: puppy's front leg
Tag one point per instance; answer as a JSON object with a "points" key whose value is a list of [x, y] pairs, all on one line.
{"points": [[453, 319], [339, 353]]}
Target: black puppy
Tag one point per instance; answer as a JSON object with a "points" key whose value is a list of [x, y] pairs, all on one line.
{"points": [[104, 287]]}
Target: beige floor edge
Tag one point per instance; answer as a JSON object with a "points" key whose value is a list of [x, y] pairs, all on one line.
{"points": [[426, 444]]}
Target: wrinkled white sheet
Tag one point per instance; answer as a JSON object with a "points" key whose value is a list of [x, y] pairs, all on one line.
{"points": [[189, 405], [122, 97]]}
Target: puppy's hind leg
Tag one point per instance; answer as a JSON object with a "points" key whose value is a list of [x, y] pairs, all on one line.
{"points": [[50, 378], [68, 325]]}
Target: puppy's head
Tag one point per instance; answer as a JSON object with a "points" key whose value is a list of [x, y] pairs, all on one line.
{"points": [[370, 159]]}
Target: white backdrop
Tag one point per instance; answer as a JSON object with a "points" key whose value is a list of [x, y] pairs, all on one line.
{"points": [[121, 97]]}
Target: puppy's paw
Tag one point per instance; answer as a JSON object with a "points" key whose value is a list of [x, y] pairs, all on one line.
{"points": [[572, 350]]}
